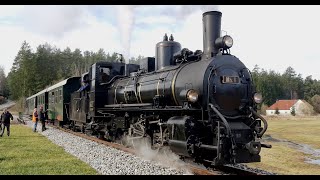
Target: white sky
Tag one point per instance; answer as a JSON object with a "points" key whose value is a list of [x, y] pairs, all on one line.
{"points": [[274, 37]]}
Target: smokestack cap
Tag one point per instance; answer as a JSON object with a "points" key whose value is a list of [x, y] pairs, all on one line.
{"points": [[212, 12]]}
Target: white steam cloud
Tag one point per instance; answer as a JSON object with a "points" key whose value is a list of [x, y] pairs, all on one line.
{"points": [[164, 156], [125, 17], [126, 20]]}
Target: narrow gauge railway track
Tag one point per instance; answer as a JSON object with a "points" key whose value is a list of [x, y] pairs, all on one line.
{"points": [[196, 169]]}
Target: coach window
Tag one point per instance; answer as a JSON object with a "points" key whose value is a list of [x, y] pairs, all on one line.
{"points": [[52, 97], [56, 97], [60, 95]]}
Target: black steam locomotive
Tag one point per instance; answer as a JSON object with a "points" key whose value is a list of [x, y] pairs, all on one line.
{"points": [[202, 105]]}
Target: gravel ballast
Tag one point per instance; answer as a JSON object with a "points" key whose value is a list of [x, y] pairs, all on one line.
{"points": [[107, 160]]}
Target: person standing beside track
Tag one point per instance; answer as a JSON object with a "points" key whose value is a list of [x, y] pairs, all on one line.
{"points": [[42, 118], [5, 118], [35, 119]]}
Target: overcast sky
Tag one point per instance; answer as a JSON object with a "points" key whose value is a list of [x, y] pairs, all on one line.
{"points": [[274, 37]]}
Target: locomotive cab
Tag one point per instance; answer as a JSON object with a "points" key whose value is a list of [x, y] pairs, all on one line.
{"points": [[93, 94]]}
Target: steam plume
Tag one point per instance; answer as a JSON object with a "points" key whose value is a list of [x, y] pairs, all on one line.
{"points": [[125, 17], [163, 156]]}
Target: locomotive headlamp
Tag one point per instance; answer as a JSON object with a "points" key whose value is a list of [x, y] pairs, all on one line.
{"points": [[257, 98], [228, 41], [192, 95], [224, 42]]}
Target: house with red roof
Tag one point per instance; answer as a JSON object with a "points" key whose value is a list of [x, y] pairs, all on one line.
{"points": [[285, 107]]}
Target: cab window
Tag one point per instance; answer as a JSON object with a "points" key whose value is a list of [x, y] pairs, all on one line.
{"points": [[104, 74]]}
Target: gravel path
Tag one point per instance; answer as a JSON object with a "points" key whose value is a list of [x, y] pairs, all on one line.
{"points": [[106, 160], [8, 104]]}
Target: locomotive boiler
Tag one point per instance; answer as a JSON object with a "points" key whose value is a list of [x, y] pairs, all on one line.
{"points": [[201, 104]]}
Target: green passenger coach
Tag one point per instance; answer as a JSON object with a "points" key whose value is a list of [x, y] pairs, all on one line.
{"points": [[54, 100], [59, 98], [31, 103], [36, 101]]}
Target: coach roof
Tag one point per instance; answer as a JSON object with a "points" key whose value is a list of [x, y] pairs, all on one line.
{"points": [[61, 83]]}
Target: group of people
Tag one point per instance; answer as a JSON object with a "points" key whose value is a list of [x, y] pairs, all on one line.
{"points": [[36, 116], [6, 116]]}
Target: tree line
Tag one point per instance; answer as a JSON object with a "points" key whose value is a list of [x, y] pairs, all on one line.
{"points": [[33, 71], [289, 85]]}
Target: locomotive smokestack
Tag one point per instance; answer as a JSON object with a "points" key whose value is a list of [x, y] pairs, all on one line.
{"points": [[211, 31]]}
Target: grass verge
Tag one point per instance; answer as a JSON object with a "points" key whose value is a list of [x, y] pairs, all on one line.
{"points": [[27, 153]]}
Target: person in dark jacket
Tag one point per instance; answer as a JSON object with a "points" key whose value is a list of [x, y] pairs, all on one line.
{"points": [[5, 118], [42, 116]]}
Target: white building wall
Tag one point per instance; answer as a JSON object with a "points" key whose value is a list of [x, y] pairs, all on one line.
{"points": [[299, 106], [281, 112]]}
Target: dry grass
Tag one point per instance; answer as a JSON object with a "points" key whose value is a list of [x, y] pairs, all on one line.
{"points": [[283, 159], [304, 130]]}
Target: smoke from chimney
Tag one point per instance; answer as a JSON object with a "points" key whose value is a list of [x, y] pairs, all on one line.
{"points": [[125, 17]]}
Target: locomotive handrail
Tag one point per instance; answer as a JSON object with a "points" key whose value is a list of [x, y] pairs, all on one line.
{"points": [[65, 106], [259, 134], [112, 79], [235, 117], [127, 105], [226, 124], [222, 118]]}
